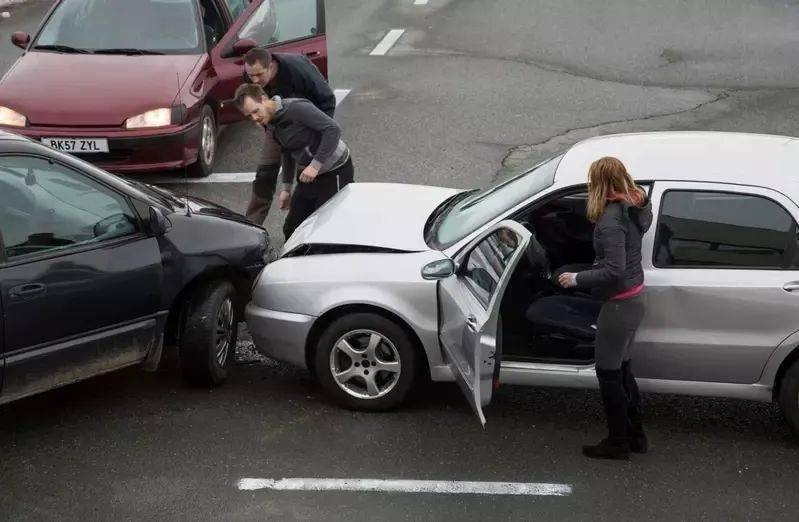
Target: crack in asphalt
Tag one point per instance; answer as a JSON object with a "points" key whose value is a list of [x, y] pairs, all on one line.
{"points": [[723, 95]]}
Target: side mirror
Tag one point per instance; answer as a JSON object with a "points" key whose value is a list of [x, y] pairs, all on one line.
{"points": [[21, 39], [159, 223], [241, 47], [438, 270]]}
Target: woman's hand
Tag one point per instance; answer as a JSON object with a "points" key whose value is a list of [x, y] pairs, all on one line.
{"points": [[309, 174], [567, 279]]}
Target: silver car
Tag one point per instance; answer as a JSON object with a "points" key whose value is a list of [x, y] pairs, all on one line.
{"points": [[387, 283]]}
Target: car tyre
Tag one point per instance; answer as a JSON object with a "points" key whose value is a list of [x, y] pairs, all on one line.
{"points": [[209, 333], [789, 398], [390, 365], [208, 144]]}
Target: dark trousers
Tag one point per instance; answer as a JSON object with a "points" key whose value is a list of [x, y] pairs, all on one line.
{"points": [[308, 197], [263, 191]]}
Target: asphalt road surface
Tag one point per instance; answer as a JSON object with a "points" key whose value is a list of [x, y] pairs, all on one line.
{"points": [[470, 90]]}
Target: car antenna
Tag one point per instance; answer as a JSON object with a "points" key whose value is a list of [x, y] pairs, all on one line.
{"points": [[185, 169]]}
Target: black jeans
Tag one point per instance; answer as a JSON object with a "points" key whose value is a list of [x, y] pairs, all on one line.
{"points": [[308, 197], [616, 326]]}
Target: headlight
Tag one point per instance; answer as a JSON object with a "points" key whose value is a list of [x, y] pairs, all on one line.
{"points": [[153, 118], [12, 118]]}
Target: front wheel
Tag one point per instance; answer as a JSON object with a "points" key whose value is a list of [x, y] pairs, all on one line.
{"points": [[209, 333], [789, 398], [365, 362], [207, 153]]}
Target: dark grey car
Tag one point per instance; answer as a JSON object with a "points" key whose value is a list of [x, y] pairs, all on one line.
{"points": [[98, 273]]}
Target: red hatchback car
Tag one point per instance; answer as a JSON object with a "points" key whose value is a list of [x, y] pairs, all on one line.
{"points": [[142, 86]]}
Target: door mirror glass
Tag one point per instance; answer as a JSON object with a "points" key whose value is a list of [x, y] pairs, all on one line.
{"points": [[21, 39], [438, 269], [159, 223], [241, 47]]}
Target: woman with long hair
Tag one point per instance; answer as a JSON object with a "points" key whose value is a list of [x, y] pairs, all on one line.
{"points": [[622, 214]]}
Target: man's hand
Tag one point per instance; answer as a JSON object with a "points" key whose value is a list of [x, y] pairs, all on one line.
{"points": [[309, 174], [567, 280], [284, 198]]}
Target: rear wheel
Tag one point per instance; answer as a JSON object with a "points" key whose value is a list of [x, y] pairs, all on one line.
{"points": [[209, 333], [365, 362], [207, 153], [789, 398]]}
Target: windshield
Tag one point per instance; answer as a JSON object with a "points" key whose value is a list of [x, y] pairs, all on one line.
{"points": [[162, 26], [469, 213]]}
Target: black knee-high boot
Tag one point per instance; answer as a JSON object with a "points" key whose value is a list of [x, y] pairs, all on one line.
{"points": [[638, 441], [614, 399]]}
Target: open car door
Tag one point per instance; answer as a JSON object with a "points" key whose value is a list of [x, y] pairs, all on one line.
{"points": [[469, 309]]}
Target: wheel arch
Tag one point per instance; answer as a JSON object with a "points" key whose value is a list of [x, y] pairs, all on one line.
{"points": [[326, 319]]}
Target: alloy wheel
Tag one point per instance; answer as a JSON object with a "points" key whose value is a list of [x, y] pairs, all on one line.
{"points": [[365, 364]]}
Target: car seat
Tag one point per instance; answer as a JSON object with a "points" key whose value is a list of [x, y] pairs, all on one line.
{"points": [[566, 316]]}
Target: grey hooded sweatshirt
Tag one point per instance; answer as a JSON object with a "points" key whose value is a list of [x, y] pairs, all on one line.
{"points": [[617, 245]]}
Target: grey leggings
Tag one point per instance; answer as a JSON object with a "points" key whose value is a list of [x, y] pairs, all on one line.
{"points": [[618, 321]]}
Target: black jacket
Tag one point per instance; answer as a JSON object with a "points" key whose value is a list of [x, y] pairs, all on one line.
{"points": [[298, 77], [617, 245]]}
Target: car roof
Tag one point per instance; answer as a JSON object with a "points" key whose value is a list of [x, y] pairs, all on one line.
{"points": [[718, 157]]}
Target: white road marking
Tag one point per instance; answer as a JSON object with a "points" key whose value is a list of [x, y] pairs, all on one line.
{"points": [[387, 42], [227, 177], [340, 95], [219, 177], [420, 2], [408, 486]]}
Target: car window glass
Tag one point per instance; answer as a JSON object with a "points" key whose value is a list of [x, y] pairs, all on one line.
{"points": [[214, 26], [44, 206], [481, 207], [278, 21], [487, 262], [151, 25], [716, 229], [237, 7]]}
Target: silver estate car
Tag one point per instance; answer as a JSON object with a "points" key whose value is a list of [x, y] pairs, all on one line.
{"points": [[390, 283]]}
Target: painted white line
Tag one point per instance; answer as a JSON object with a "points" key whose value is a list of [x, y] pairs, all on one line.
{"points": [[387, 42], [408, 486], [420, 2], [340, 95], [220, 177]]}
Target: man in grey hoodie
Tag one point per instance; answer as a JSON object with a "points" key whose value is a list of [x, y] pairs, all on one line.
{"points": [[311, 146]]}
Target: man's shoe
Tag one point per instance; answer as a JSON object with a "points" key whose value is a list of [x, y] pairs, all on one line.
{"points": [[608, 450]]}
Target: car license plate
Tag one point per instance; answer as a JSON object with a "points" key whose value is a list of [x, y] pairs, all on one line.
{"points": [[77, 145]]}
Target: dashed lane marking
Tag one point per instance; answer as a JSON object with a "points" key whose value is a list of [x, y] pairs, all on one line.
{"points": [[387, 42]]}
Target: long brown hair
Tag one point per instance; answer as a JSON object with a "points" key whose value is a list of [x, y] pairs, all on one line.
{"points": [[609, 180]]}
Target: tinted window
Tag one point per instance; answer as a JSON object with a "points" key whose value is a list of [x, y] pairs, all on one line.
{"points": [[45, 206], [487, 262], [237, 7], [717, 229], [278, 21], [153, 25]]}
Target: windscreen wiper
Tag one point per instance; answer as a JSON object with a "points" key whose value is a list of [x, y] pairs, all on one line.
{"points": [[125, 50], [62, 49]]}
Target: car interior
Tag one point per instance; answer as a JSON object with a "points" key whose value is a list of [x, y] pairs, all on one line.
{"points": [[548, 330]]}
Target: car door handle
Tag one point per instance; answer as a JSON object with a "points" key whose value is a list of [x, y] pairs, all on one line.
{"points": [[471, 322], [791, 287], [27, 290], [312, 54]]}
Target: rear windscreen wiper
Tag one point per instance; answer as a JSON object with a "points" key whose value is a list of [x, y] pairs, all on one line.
{"points": [[125, 50], [62, 49]]}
